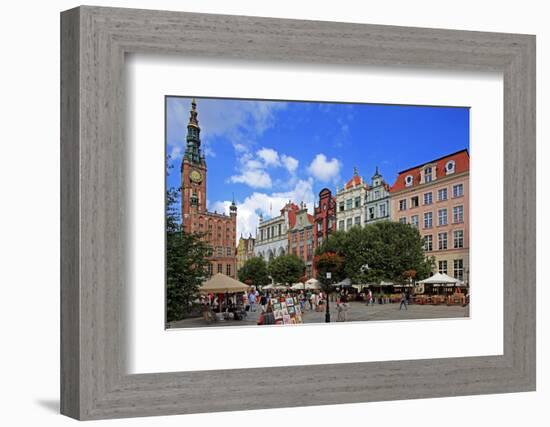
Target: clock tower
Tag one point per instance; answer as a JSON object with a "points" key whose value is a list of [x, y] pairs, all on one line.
{"points": [[193, 174], [217, 229]]}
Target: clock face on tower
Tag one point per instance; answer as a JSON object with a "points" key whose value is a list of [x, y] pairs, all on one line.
{"points": [[195, 176]]}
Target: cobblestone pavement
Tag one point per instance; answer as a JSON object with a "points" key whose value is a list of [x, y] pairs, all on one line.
{"points": [[357, 312]]}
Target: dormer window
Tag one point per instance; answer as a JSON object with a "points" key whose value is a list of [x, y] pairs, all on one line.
{"points": [[428, 174], [408, 180], [450, 167]]}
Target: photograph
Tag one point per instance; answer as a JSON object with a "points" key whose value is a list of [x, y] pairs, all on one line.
{"points": [[309, 204]]}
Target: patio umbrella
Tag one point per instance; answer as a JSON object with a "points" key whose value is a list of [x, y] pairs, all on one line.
{"points": [[220, 283], [438, 280], [346, 283]]}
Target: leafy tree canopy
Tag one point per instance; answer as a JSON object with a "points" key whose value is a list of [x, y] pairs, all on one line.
{"points": [[286, 269], [390, 249], [254, 272], [329, 262]]}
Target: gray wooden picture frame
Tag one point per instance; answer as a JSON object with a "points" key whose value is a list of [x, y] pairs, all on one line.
{"points": [[94, 41]]}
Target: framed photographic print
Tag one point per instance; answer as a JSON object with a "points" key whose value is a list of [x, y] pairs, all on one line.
{"points": [[210, 163]]}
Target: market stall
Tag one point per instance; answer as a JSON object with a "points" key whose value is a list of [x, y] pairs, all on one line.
{"points": [[440, 289], [225, 289]]}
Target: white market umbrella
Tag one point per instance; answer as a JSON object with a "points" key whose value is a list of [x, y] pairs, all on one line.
{"points": [[313, 284], [297, 286], [346, 283], [439, 279]]}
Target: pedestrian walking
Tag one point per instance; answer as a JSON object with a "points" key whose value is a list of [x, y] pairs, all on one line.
{"points": [[342, 309], [312, 299], [403, 301], [263, 302], [252, 301]]}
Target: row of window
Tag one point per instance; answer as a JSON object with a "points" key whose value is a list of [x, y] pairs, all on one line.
{"points": [[219, 250], [442, 241], [458, 191], [272, 231], [350, 222], [228, 269], [429, 173], [308, 235], [354, 203], [458, 268], [349, 204], [458, 217], [382, 212], [299, 251]]}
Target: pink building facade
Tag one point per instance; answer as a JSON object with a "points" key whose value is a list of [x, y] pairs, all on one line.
{"points": [[434, 197]]}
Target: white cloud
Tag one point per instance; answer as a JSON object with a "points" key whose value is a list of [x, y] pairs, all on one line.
{"points": [[323, 169], [269, 156], [240, 148], [252, 163], [291, 164], [255, 178], [176, 153], [240, 121], [267, 204], [253, 169]]}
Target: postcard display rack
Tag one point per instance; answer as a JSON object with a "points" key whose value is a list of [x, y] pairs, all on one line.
{"points": [[287, 311]]}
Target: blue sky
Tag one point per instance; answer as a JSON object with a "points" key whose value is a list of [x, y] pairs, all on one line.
{"points": [[267, 152]]}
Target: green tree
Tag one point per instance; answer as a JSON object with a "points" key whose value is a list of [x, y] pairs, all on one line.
{"points": [[286, 269], [186, 262], [329, 262], [254, 272], [388, 248]]}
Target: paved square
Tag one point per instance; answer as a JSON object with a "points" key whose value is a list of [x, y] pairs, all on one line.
{"points": [[357, 312]]}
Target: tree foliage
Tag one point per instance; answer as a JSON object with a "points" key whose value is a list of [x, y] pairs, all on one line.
{"points": [[329, 262], [186, 262], [254, 272], [390, 249], [286, 269]]}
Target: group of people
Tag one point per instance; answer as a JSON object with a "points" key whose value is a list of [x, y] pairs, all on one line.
{"points": [[236, 306], [309, 300]]}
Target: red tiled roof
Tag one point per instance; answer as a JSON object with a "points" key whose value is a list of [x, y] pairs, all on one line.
{"points": [[354, 181], [462, 164]]}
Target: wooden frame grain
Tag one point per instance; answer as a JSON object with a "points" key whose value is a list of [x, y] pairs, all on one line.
{"points": [[94, 41]]}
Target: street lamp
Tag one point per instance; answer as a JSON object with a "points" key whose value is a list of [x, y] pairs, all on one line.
{"points": [[329, 283]]}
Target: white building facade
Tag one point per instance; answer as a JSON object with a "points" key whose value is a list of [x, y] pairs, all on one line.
{"points": [[377, 200], [272, 234], [350, 209]]}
